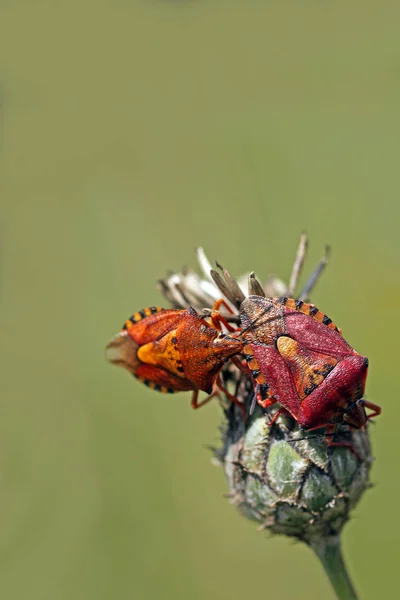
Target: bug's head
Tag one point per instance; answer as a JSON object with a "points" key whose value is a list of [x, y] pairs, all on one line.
{"points": [[355, 415], [226, 345], [122, 351]]}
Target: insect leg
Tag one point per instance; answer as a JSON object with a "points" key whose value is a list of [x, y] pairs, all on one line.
{"points": [[231, 397], [195, 404], [276, 416], [374, 407], [221, 302], [330, 433], [216, 317]]}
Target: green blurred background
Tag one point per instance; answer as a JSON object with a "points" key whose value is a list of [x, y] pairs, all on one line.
{"points": [[130, 132]]}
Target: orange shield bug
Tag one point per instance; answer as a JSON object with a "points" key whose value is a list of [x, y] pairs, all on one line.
{"points": [[175, 350]]}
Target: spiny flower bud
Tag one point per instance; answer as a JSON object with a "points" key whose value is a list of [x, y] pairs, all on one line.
{"points": [[303, 488]]}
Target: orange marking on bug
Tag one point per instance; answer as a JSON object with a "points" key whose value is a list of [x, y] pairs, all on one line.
{"points": [[307, 308], [147, 312], [253, 364], [163, 353], [291, 303], [137, 317], [267, 397], [247, 350], [260, 379], [308, 368]]}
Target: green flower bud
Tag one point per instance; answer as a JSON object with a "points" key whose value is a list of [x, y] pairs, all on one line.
{"points": [[303, 488]]}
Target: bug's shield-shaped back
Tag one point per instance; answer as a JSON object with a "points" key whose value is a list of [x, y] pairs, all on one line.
{"points": [[308, 369], [204, 350]]}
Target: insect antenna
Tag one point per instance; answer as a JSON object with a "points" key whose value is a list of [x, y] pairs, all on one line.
{"points": [[312, 437], [252, 323]]}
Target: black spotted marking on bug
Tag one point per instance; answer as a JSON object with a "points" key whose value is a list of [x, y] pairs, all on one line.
{"points": [[264, 387], [137, 316], [310, 388], [313, 311], [326, 320], [326, 369], [299, 304]]}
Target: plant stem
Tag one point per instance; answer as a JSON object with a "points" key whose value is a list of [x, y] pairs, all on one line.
{"points": [[329, 552]]}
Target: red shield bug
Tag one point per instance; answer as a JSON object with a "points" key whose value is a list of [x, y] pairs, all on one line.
{"points": [[176, 350], [299, 358]]}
